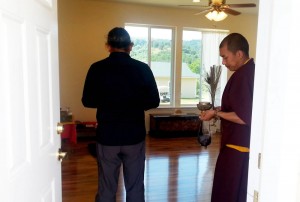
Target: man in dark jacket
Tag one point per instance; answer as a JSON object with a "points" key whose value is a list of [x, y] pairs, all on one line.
{"points": [[122, 89]]}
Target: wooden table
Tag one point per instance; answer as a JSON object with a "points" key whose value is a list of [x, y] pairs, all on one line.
{"points": [[170, 125]]}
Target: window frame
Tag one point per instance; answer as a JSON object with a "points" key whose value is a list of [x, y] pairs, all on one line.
{"points": [[176, 60]]}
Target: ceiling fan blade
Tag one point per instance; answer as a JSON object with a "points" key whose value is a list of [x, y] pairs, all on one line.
{"points": [[231, 12], [204, 11], [241, 5]]}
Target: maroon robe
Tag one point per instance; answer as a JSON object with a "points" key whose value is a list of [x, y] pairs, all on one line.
{"points": [[231, 172]]}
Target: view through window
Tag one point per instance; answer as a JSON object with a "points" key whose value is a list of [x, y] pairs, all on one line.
{"points": [[190, 69], [155, 45]]}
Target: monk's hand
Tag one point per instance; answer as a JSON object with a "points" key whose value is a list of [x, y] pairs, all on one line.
{"points": [[207, 115], [202, 115]]}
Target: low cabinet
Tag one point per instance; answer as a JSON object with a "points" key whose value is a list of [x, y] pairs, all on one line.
{"points": [[170, 125]]}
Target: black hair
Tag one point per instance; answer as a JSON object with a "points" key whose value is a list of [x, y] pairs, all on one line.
{"points": [[236, 42], [118, 37]]}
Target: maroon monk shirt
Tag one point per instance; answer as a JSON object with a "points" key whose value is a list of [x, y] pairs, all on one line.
{"points": [[237, 97]]}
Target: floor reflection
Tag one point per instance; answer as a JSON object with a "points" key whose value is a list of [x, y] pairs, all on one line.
{"points": [[176, 170]]}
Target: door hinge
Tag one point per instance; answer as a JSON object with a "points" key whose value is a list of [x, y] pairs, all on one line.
{"points": [[255, 198], [259, 159]]}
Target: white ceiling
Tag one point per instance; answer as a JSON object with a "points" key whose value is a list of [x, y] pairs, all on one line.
{"points": [[176, 3]]}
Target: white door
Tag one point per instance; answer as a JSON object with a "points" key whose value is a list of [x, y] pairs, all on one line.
{"points": [[275, 119], [29, 102]]}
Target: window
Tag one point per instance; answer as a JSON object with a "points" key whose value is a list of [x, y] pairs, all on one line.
{"points": [[155, 45], [211, 40], [190, 68]]}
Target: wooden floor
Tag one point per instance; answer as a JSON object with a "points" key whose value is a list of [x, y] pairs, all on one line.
{"points": [[177, 170]]}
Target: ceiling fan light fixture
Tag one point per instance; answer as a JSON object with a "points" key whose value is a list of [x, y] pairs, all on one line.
{"points": [[216, 16], [218, 1]]}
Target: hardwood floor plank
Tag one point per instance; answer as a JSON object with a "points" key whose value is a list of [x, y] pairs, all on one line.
{"points": [[176, 170]]}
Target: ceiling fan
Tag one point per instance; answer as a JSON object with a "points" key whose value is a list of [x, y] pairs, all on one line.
{"points": [[219, 7]]}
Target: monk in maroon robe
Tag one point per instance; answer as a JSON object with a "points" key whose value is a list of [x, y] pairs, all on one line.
{"points": [[231, 172]]}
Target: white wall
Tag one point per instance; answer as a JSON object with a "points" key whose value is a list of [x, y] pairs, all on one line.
{"points": [[275, 109]]}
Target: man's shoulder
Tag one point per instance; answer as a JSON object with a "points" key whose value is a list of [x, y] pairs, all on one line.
{"points": [[141, 63], [129, 61], [99, 62]]}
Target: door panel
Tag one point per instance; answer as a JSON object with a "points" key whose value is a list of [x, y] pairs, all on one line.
{"points": [[29, 104]]}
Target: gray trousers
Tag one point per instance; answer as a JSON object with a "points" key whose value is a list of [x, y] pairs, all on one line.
{"points": [[110, 159]]}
